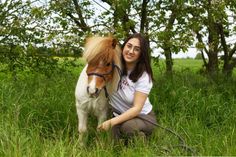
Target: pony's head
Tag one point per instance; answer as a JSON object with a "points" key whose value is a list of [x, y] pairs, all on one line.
{"points": [[103, 58]]}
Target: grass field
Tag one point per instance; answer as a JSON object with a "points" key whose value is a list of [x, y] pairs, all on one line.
{"points": [[38, 117]]}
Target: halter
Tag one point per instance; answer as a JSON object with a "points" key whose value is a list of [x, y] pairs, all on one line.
{"points": [[104, 74]]}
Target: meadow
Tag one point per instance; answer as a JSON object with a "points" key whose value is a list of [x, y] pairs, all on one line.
{"points": [[38, 116]]}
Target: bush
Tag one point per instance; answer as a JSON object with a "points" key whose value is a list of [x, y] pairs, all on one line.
{"points": [[198, 56]]}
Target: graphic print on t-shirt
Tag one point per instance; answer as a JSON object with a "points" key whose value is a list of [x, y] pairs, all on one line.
{"points": [[124, 83]]}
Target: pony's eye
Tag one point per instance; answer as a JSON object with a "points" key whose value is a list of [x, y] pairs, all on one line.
{"points": [[108, 64]]}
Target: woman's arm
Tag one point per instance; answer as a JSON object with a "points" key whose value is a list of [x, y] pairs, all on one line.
{"points": [[139, 100]]}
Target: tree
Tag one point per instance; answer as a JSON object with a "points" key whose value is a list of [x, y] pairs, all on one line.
{"points": [[24, 29], [124, 17], [13, 33], [210, 22], [62, 26], [170, 29]]}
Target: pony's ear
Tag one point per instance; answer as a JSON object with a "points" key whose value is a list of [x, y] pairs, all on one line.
{"points": [[114, 43]]}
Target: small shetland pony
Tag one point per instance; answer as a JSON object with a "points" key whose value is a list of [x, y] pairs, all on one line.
{"points": [[99, 77]]}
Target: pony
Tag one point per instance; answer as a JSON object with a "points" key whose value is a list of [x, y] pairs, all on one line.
{"points": [[100, 76]]}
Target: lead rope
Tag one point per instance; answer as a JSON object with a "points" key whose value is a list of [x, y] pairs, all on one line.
{"points": [[181, 140]]}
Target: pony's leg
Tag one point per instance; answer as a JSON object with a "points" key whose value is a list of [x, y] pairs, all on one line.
{"points": [[102, 117], [82, 124], [102, 112]]}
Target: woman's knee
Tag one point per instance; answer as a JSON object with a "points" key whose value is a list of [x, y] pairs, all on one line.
{"points": [[130, 127]]}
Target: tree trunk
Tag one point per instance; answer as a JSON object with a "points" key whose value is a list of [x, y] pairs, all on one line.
{"points": [[228, 68], [229, 60], [167, 44], [144, 16], [213, 42], [169, 61], [212, 66]]}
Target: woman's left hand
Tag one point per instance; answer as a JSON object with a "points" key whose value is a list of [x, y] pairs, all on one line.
{"points": [[105, 126]]}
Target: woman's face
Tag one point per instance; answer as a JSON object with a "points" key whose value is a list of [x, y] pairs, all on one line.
{"points": [[132, 51]]}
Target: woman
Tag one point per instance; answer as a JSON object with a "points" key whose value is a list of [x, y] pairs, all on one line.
{"points": [[130, 103]]}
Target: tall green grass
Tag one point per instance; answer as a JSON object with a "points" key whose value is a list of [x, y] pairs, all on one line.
{"points": [[202, 110], [38, 117]]}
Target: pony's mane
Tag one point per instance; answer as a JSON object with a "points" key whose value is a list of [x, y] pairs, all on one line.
{"points": [[106, 49], [99, 48]]}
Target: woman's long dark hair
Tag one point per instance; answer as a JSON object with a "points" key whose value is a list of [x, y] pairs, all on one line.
{"points": [[144, 63]]}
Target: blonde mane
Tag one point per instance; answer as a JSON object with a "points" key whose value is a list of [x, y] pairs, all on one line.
{"points": [[106, 49]]}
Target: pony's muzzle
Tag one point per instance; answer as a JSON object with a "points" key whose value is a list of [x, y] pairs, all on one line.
{"points": [[93, 92]]}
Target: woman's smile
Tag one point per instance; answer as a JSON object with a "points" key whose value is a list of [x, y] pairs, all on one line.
{"points": [[131, 52]]}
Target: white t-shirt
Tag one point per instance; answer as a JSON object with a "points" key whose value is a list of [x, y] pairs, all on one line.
{"points": [[122, 100]]}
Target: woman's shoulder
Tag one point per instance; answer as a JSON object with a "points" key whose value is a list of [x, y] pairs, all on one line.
{"points": [[145, 77], [144, 83]]}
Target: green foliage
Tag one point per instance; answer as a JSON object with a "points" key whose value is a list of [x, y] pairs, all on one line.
{"points": [[200, 45], [33, 60], [29, 41], [198, 56], [64, 25]]}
